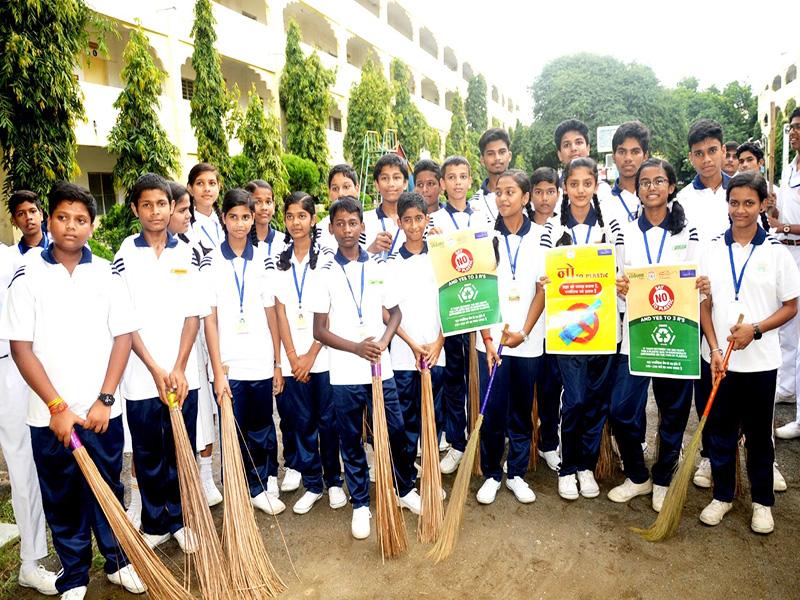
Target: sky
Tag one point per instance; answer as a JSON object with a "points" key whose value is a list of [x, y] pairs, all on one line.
{"points": [[513, 39]]}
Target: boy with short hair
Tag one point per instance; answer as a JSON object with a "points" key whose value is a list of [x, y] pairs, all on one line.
{"points": [[27, 215], [631, 146], [381, 232], [750, 157], [731, 164], [161, 278], [427, 176], [348, 308], [342, 181], [70, 327], [572, 141], [495, 154]]}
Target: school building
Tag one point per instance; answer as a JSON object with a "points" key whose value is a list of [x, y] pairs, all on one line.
{"points": [[779, 86]]}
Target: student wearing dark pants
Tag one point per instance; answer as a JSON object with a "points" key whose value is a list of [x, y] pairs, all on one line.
{"points": [[258, 442], [409, 387], [454, 394], [548, 397]]}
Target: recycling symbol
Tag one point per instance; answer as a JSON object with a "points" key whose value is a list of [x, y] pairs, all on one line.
{"points": [[663, 335], [468, 293]]}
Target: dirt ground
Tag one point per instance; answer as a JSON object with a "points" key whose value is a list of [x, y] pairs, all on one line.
{"points": [[548, 549]]}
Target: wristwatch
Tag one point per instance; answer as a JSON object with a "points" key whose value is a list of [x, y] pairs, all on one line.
{"points": [[106, 399], [787, 229], [524, 335], [757, 332]]}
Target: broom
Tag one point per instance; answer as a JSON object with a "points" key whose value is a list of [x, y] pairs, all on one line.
{"points": [[209, 565], [392, 535], [430, 487], [474, 393], [666, 524], [158, 579], [458, 496], [606, 461], [533, 461], [252, 574]]}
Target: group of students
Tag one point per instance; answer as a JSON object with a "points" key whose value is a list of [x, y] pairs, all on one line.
{"points": [[209, 299]]}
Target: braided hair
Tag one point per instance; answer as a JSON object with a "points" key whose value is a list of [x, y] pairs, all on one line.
{"points": [[194, 173], [308, 204], [676, 216], [756, 182], [586, 163], [523, 182]]}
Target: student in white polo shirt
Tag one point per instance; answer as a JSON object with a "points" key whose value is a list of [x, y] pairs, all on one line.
{"points": [[70, 324], [631, 146], [572, 141], [494, 147], [704, 198], [382, 235], [162, 282], [242, 333], [342, 181], [348, 308], [753, 275], [262, 231], [203, 185], [520, 266]]}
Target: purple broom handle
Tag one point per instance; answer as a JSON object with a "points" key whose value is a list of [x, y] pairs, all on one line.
{"points": [[74, 440], [376, 369], [491, 379]]}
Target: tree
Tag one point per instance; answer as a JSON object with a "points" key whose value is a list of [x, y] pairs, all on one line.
{"points": [[412, 128], [40, 99], [456, 142], [138, 139], [433, 142], [305, 100], [475, 105], [369, 108]]}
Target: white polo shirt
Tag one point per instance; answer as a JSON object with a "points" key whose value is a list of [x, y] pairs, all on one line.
{"points": [[12, 258], [485, 202], [706, 209], [521, 265], [339, 294], [413, 275], [297, 283], [770, 278], [580, 234], [621, 205], [325, 237], [274, 242], [164, 291], [72, 321], [207, 231], [375, 222], [789, 199], [450, 219]]}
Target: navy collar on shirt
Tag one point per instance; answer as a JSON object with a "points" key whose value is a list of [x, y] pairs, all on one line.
{"points": [[339, 257], [526, 227], [140, 241], [381, 214], [270, 236], [698, 185], [454, 211], [23, 247], [591, 218], [758, 239], [485, 187], [645, 225], [406, 253], [47, 255], [229, 254]]}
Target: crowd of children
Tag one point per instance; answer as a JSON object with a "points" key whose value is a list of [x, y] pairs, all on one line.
{"points": [[210, 299]]}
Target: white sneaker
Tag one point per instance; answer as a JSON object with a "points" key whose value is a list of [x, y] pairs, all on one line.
{"points": [[153, 539], [336, 497], [306, 503], [778, 481], [789, 431], [213, 495], [291, 480], [488, 491], [552, 458], [589, 487], [568, 487], [268, 503], [76, 593], [628, 490], [659, 493], [522, 491], [702, 476], [360, 525], [713, 513], [187, 540], [762, 519], [449, 464], [785, 398], [443, 443], [40, 579], [412, 502], [134, 512], [127, 578], [272, 486]]}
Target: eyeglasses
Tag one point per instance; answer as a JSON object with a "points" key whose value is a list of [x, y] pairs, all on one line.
{"points": [[658, 182]]}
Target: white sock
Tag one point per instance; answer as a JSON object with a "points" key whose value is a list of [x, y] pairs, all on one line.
{"points": [[28, 565], [205, 463], [136, 497]]}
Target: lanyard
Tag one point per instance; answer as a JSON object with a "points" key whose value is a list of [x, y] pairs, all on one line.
{"points": [[737, 283], [575, 240], [660, 247], [216, 233], [240, 286], [792, 173], [299, 287], [513, 263], [453, 219], [359, 303], [394, 238], [631, 216]]}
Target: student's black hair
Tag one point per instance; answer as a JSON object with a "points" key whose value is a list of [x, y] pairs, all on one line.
{"points": [[409, 200], [580, 162], [426, 164], [347, 204], [524, 183], [452, 161], [731, 145], [495, 134], [251, 188], [571, 125], [703, 129], [390, 159], [752, 148], [194, 173], [149, 181], [63, 191], [676, 216], [545, 174], [343, 169], [794, 113], [177, 190], [20, 196], [237, 197], [756, 182], [632, 129], [309, 204]]}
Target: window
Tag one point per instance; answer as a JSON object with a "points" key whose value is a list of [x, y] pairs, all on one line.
{"points": [[101, 185], [249, 16], [335, 123], [187, 88]]}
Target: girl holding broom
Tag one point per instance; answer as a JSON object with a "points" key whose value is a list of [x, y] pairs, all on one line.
{"points": [[753, 275]]}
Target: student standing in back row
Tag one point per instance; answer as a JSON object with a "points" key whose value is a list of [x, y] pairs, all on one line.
{"points": [[204, 187], [382, 235], [495, 151], [631, 146], [572, 141]]}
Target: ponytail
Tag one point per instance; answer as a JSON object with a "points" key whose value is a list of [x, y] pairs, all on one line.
{"points": [[564, 209], [495, 239], [313, 252], [529, 211], [676, 219], [598, 213], [285, 258], [765, 221]]}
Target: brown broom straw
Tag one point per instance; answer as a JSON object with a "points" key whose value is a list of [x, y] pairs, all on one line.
{"points": [[159, 580], [448, 536], [430, 487], [392, 536], [607, 461], [533, 461], [474, 393], [252, 574], [666, 524], [207, 560]]}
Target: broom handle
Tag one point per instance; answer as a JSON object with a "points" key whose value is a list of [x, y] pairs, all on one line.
{"points": [[494, 370], [376, 369], [75, 441], [718, 380]]}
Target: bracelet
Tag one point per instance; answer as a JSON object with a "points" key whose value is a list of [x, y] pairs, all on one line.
{"points": [[57, 408], [55, 401], [487, 337], [278, 366], [717, 350], [289, 352]]}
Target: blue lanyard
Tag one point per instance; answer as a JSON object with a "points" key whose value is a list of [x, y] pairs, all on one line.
{"points": [[737, 283], [360, 302], [299, 287], [575, 240], [631, 216], [240, 286], [394, 238], [660, 247], [453, 219], [513, 263], [216, 233]]}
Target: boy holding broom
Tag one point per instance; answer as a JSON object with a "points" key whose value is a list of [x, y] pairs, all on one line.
{"points": [[70, 322]]}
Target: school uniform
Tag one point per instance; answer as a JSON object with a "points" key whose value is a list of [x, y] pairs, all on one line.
{"points": [[705, 208], [308, 407], [353, 294], [620, 205], [638, 245], [164, 291], [377, 221], [508, 410], [72, 321], [766, 277], [324, 237], [207, 231], [484, 201], [273, 241]]}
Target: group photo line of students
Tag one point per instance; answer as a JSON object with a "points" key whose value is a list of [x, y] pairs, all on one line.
{"points": [[208, 299]]}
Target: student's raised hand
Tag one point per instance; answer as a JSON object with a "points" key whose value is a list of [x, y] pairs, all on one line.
{"points": [[369, 349], [62, 425], [97, 418], [277, 381], [381, 243], [543, 281], [704, 285], [741, 335], [179, 385]]}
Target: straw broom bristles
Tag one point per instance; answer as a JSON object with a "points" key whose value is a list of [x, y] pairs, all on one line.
{"points": [[209, 564], [474, 393], [252, 574], [533, 461], [430, 487], [159, 580], [607, 462], [392, 536]]}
